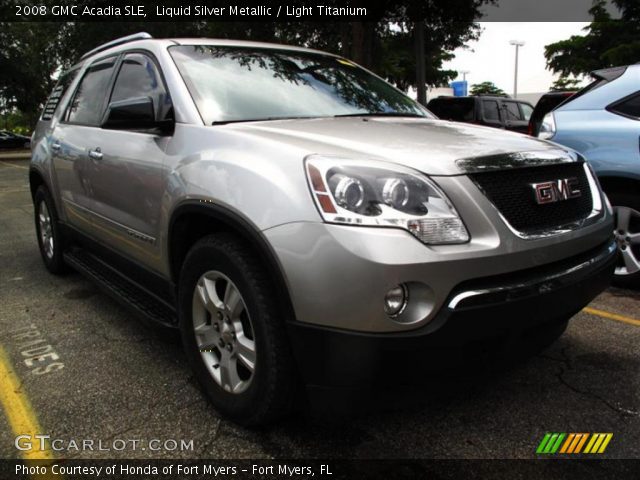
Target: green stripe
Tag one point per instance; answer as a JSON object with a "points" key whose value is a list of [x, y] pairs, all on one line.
{"points": [[543, 443], [550, 443], [558, 442]]}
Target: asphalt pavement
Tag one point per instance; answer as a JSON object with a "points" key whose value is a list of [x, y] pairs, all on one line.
{"points": [[105, 376]]}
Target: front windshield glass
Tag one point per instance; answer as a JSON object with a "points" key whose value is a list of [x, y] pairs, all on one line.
{"points": [[235, 84]]}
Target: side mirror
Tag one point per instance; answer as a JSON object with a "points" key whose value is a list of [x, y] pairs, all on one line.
{"points": [[134, 114]]}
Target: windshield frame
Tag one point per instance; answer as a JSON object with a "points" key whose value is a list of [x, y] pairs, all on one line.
{"points": [[191, 89]]}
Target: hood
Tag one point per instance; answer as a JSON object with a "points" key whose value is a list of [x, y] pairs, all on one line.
{"points": [[435, 147]]}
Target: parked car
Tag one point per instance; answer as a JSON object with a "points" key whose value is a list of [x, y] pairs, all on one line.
{"points": [[301, 220], [492, 111], [602, 122], [546, 103], [13, 140]]}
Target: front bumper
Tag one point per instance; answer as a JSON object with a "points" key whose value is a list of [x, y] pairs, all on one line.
{"points": [[488, 311]]}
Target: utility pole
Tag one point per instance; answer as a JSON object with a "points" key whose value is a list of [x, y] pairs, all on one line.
{"points": [[421, 76], [517, 44]]}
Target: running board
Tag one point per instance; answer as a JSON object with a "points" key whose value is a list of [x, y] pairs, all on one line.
{"points": [[121, 288]]}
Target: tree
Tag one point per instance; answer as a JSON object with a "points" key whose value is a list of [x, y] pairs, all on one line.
{"points": [[487, 88], [564, 84], [386, 46], [607, 43]]}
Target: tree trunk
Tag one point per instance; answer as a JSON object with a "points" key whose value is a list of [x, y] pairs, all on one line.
{"points": [[418, 32]]}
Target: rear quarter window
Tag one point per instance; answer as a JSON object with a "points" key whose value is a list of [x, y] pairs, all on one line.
{"points": [[57, 93], [628, 107]]}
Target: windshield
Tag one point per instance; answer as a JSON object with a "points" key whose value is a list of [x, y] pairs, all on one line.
{"points": [[235, 84]]}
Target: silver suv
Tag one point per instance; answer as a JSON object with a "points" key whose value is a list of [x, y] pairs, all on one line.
{"points": [[302, 222]]}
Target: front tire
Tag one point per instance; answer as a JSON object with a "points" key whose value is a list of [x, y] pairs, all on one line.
{"points": [[233, 331], [627, 211], [51, 241]]}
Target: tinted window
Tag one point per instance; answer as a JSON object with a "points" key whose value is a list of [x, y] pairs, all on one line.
{"points": [[88, 102], [242, 84], [456, 109], [527, 110], [512, 111], [629, 107], [57, 93], [139, 77], [491, 110]]}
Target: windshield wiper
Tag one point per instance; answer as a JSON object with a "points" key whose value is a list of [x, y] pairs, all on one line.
{"points": [[381, 114], [265, 119]]}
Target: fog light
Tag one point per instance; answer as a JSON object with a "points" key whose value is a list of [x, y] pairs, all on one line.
{"points": [[396, 300]]}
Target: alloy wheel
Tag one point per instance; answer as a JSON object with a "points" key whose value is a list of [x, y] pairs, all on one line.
{"points": [[627, 235], [46, 230], [224, 332]]}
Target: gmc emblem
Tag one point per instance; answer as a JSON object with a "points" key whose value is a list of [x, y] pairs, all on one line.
{"points": [[556, 190]]}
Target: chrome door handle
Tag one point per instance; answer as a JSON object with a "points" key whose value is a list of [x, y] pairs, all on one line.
{"points": [[55, 146], [95, 154]]}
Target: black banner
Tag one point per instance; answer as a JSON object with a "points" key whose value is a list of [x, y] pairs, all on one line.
{"points": [[320, 469], [288, 10]]}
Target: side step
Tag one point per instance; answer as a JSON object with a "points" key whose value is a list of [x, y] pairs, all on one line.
{"points": [[122, 289]]}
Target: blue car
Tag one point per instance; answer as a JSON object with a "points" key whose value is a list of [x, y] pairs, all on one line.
{"points": [[602, 122]]}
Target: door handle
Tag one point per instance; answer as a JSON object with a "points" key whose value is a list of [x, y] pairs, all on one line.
{"points": [[55, 146], [95, 154]]}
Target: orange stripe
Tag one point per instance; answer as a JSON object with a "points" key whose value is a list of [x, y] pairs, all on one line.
{"points": [[584, 439], [567, 443], [577, 438]]}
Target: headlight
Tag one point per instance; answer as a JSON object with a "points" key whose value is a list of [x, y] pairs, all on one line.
{"points": [[373, 193], [548, 127]]}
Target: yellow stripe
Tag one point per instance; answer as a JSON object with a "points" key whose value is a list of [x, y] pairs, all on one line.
{"points": [[596, 445], [605, 443], [17, 409], [612, 316], [594, 436]]}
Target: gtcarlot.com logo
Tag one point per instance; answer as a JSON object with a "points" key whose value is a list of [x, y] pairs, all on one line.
{"points": [[574, 443]]}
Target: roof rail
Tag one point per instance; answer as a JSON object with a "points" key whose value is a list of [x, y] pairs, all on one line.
{"points": [[117, 41]]}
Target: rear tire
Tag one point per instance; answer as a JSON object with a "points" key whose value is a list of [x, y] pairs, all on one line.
{"points": [[51, 241], [233, 331], [627, 210]]}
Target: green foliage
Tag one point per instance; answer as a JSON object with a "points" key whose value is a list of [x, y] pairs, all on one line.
{"points": [[564, 84], [608, 42], [487, 88]]}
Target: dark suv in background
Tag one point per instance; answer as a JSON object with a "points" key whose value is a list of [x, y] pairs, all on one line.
{"points": [[499, 112]]}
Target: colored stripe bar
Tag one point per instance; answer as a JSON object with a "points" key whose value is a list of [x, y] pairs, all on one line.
{"points": [[567, 443], [555, 447], [543, 443], [592, 440], [607, 439]]}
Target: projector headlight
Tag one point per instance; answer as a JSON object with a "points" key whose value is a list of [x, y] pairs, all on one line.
{"points": [[374, 193]]}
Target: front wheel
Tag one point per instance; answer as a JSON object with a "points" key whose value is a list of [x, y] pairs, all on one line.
{"points": [[233, 331], [50, 239], [627, 232]]}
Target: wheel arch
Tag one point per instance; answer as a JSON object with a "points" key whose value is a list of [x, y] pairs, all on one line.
{"points": [[192, 220], [616, 183]]}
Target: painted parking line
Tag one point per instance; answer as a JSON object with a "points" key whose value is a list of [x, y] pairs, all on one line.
{"points": [[612, 316], [14, 166], [17, 409]]}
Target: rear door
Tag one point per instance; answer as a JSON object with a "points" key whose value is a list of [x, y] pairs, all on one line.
{"points": [[77, 129], [491, 114]]}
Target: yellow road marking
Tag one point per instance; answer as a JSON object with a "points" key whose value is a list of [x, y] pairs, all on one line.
{"points": [[612, 316], [17, 409], [14, 166]]}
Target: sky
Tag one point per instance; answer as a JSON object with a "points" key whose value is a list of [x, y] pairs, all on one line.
{"points": [[492, 58]]}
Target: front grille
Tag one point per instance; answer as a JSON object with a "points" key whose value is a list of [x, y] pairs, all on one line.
{"points": [[512, 194]]}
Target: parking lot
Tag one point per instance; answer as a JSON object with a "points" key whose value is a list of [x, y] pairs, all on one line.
{"points": [[108, 376]]}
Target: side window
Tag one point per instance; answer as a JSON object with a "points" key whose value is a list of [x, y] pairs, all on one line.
{"points": [[88, 102], [57, 93], [139, 77], [512, 111], [629, 107], [491, 110], [527, 110]]}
